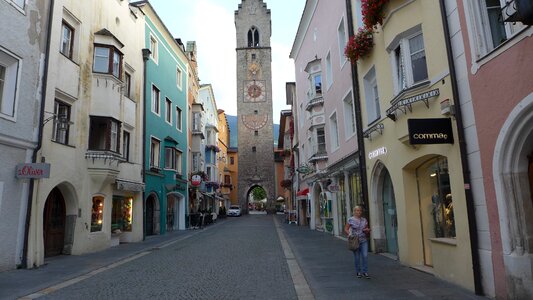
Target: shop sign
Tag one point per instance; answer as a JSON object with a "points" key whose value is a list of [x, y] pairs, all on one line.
{"points": [[333, 188], [25, 171], [196, 180], [430, 131], [378, 152], [123, 185]]}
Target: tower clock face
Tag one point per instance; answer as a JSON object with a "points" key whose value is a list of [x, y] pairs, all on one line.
{"points": [[254, 122], [254, 91]]}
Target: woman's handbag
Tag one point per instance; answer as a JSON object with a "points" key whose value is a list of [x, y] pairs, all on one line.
{"points": [[353, 242]]}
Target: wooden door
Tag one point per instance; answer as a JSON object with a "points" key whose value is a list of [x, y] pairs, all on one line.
{"points": [[150, 216], [54, 223]]}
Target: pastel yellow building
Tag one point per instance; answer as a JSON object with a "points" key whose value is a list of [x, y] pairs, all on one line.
{"points": [[417, 202], [224, 177]]}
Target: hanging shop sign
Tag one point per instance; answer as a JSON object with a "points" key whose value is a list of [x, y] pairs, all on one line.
{"points": [[378, 152], [430, 131], [196, 180], [36, 171]]}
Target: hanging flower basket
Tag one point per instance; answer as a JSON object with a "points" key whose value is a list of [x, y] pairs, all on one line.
{"points": [[359, 45], [286, 183], [212, 147], [213, 184], [372, 11]]}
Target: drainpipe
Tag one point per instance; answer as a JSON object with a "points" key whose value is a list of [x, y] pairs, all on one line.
{"points": [[358, 116], [146, 55], [472, 226], [24, 261]]}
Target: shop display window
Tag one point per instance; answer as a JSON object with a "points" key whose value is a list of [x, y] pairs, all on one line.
{"points": [[121, 214], [97, 214], [436, 200]]}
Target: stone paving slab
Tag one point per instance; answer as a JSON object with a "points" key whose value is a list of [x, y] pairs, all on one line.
{"points": [[329, 269]]}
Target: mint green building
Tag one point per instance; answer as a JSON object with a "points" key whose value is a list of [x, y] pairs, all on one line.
{"points": [[166, 133]]}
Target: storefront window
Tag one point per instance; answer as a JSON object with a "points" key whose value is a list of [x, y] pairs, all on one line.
{"points": [[436, 200], [341, 195], [97, 214], [355, 190], [121, 214]]}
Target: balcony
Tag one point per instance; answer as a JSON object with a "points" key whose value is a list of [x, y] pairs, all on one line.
{"points": [[316, 100], [103, 166], [318, 156]]}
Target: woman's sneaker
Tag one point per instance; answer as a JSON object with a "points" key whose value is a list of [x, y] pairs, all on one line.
{"points": [[366, 275], [359, 275]]}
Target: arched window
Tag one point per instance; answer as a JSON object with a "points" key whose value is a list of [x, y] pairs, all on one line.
{"points": [[253, 37]]}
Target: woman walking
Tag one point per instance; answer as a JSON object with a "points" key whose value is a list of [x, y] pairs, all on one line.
{"points": [[358, 226]]}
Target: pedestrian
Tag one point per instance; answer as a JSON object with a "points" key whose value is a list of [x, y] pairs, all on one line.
{"points": [[358, 225]]}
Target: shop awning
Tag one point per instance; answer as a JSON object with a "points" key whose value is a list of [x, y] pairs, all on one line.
{"points": [[303, 192]]}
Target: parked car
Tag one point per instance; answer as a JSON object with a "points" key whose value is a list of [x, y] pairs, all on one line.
{"points": [[234, 211]]}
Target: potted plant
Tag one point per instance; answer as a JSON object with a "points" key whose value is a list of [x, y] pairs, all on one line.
{"points": [[359, 45], [372, 11]]}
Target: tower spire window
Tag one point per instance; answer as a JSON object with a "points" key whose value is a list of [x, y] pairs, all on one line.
{"points": [[253, 37]]}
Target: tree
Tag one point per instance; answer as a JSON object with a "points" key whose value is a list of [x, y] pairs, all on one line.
{"points": [[258, 193]]}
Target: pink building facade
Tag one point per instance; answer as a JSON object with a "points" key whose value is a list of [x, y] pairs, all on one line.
{"points": [[494, 71], [325, 119]]}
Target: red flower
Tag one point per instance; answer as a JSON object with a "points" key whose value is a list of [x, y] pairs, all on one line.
{"points": [[372, 11], [359, 45]]}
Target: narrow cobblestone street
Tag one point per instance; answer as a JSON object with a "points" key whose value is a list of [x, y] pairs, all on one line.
{"points": [[237, 258]]}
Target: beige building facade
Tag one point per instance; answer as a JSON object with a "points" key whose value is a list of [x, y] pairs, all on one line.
{"points": [[417, 199], [93, 198]]}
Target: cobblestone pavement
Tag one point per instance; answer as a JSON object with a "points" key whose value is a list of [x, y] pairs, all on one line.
{"points": [[239, 259]]}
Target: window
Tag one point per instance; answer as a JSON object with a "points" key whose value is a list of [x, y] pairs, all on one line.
{"points": [[409, 62], [227, 179], [329, 72], [341, 31], [9, 68], [435, 193], [127, 84], [254, 149], [320, 140], [155, 100], [358, 13], [256, 133], [196, 122], [104, 134], [373, 110], [253, 37], [179, 77], [67, 39], [195, 161], [97, 213], [126, 145], [178, 162], [178, 118], [107, 60], [168, 111], [153, 48], [349, 115], [253, 55], [232, 160], [121, 214], [334, 131], [61, 122], [155, 152], [170, 158], [316, 85]]}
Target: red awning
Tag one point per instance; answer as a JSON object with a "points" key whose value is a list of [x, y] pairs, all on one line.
{"points": [[303, 192]]}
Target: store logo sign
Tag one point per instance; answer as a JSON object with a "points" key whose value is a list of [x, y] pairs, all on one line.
{"points": [[378, 152], [430, 131], [25, 171]]}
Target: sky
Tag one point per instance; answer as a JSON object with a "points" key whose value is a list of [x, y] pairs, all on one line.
{"points": [[211, 24]]}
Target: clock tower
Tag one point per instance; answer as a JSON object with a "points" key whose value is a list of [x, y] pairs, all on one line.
{"points": [[254, 101]]}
